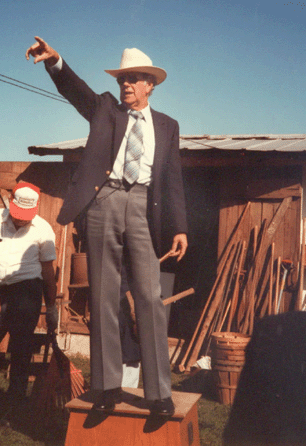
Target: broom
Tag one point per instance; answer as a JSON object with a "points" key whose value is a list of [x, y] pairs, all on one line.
{"points": [[61, 382]]}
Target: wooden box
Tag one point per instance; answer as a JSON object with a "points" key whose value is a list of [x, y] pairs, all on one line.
{"points": [[131, 423]]}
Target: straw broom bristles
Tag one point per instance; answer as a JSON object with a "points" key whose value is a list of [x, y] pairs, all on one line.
{"points": [[61, 383]]}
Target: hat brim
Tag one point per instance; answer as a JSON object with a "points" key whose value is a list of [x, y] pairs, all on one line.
{"points": [[22, 214], [159, 73]]}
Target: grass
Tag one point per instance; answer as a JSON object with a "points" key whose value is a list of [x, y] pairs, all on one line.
{"points": [[22, 426], [212, 416]]}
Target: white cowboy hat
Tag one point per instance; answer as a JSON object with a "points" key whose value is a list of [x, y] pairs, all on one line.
{"points": [[136, 61]]}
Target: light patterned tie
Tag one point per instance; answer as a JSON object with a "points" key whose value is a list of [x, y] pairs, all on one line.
{"points": [[133, 149]]}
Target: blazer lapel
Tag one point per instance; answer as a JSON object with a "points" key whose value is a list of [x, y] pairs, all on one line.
{"points": [[160, 138], [120, 128]]}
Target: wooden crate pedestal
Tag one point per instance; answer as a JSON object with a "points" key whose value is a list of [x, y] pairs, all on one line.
{"points": [[131, 423]]}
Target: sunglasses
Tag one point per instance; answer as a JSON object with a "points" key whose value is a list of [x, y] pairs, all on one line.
{"points": [[130, 78]]}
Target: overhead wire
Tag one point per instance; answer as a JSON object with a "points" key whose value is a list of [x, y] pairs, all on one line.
{"points": [[49, 94]]}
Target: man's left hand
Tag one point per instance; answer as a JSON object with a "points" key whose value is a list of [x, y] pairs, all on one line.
{"points": [[52, 317], [179, 246]]}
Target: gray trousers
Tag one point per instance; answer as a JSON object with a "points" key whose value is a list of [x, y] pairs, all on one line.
{"points": [[116, 220]]}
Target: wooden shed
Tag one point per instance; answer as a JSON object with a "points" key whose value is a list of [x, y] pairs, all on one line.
{"points": [[236, 187], [251, 184]]}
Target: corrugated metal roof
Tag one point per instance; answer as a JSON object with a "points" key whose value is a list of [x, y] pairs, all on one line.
{"points": [[279, 143], [58, 148]]}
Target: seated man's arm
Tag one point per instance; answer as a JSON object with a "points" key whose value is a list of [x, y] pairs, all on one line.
{"points": [[49, 286]]}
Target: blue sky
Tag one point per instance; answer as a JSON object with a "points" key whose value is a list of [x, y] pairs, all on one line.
{"points": [[234, 67]]}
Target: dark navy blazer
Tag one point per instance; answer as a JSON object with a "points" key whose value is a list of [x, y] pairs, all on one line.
{"points": [[108, 121]]}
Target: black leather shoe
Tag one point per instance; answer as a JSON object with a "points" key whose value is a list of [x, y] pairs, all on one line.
{"points": [[108, 399], [163, 407]]}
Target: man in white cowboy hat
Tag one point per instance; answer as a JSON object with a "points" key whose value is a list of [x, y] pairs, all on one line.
{"points": [[27, 251], [128, 186]]}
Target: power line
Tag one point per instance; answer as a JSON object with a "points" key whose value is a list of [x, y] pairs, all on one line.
{"points": [[50, 95], [33, 91], [32, 86]]}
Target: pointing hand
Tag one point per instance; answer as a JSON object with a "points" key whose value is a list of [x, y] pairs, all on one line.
{"points": [[41, 51]]}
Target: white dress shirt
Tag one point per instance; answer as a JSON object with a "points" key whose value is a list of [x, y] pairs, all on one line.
{"points": [[148, 148], [23, 250]]}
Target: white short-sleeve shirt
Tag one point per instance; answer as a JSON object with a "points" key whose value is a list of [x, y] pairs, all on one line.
{"points": [[23, 250]]}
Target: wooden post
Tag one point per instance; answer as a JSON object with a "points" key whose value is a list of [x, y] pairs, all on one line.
{"points": [[131, 423], [236, 288], [178, 296], [211, 311], [299, 302], [278, 268], [198, 327], [271, 278]]}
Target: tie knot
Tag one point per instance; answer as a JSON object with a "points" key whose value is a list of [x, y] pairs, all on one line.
{"points": [[136, 114]]}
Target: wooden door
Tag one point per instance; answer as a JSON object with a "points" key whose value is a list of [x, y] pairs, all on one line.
{"points": [[265, 189]]}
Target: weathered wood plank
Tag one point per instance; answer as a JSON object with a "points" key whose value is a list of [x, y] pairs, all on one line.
{"points": [[272, 189]]}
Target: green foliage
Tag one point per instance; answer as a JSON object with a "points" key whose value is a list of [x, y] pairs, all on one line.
{"points": [[212, 416], [212, 420]]}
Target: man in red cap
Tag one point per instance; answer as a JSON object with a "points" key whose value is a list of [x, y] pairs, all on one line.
{"points": [[27, 251]]}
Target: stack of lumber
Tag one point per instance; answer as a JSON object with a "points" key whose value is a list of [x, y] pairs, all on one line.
{"points": [[249, 285]]}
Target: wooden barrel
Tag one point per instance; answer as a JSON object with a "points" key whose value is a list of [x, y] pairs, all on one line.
{"points": [[228, 357], [79, 268]]}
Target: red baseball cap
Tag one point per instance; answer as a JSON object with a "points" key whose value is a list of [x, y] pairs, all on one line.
{"points": [[24, 203]]}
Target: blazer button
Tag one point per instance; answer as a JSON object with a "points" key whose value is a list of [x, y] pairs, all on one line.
{"points": [[96, 188], [107, 172]]}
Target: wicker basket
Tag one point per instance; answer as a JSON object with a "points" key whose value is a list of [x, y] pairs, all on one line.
{"points": [[228, 357]]}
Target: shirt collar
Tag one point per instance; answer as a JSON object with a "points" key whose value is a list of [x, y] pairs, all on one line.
{"points": [[146, 112]]}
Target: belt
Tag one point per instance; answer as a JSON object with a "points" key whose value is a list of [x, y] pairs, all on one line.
{"points": [[117, 184], [122, 184]]}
